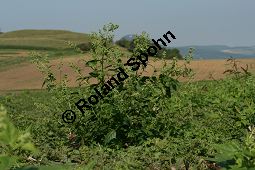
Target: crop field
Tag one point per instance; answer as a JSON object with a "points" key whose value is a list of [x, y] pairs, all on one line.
{"points": [[175, 114], [26, 75]]}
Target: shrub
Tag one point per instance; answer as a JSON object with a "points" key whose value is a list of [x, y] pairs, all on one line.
{"points": [[170, 53], [123, 43], [113, 121], [84, 47]]}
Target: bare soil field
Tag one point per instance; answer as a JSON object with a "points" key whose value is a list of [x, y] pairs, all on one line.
{"points": [[26, 76]]}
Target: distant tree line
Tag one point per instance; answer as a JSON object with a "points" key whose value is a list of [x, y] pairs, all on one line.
{"points": [[129, 45], [170, 53]]}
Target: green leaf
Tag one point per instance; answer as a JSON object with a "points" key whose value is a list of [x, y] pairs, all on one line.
{"points": [[92, 63], [89, 166], [94, 74], [9, 135], [6, 162], [29, 147], [111, 135], [55, 167]]}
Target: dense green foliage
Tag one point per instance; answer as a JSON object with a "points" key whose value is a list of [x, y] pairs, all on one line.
{"points": [[233, 155], [144, 123], [198, 116]]}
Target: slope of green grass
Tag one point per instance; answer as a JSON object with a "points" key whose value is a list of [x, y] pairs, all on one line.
{"points": [[40, 39], [52, 41]]}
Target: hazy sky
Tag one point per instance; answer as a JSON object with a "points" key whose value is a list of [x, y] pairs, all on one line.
{"points": [[193, 22]]}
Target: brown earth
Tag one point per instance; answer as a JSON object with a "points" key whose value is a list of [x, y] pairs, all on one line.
{"points": [[26, 76]]}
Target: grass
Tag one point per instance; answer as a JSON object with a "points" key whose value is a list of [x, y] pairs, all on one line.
{"points": [[54, 42], [10, 62], [40, 39], [7, 52]]}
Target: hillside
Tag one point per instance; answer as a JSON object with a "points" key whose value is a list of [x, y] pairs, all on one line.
{"points": [[40, 39]]}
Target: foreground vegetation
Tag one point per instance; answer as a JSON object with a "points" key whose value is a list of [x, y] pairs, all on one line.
{"points": [[145, 123]]}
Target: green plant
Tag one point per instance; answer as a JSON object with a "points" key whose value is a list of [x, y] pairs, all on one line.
{"points": [[13, 144], [105, 55], [42, 62], [114, 121], [235, 155]]}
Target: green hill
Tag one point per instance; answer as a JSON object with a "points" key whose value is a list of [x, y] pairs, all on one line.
{"points": [[40, 39]]}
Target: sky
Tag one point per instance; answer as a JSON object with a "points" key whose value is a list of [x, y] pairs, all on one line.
{"points": [[193, 22]]}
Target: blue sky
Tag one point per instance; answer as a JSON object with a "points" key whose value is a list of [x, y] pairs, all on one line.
{"points": [[193, 22]]}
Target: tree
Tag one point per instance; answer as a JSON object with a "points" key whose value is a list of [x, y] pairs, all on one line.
{"points": [[124, 43], [170, 53]]}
